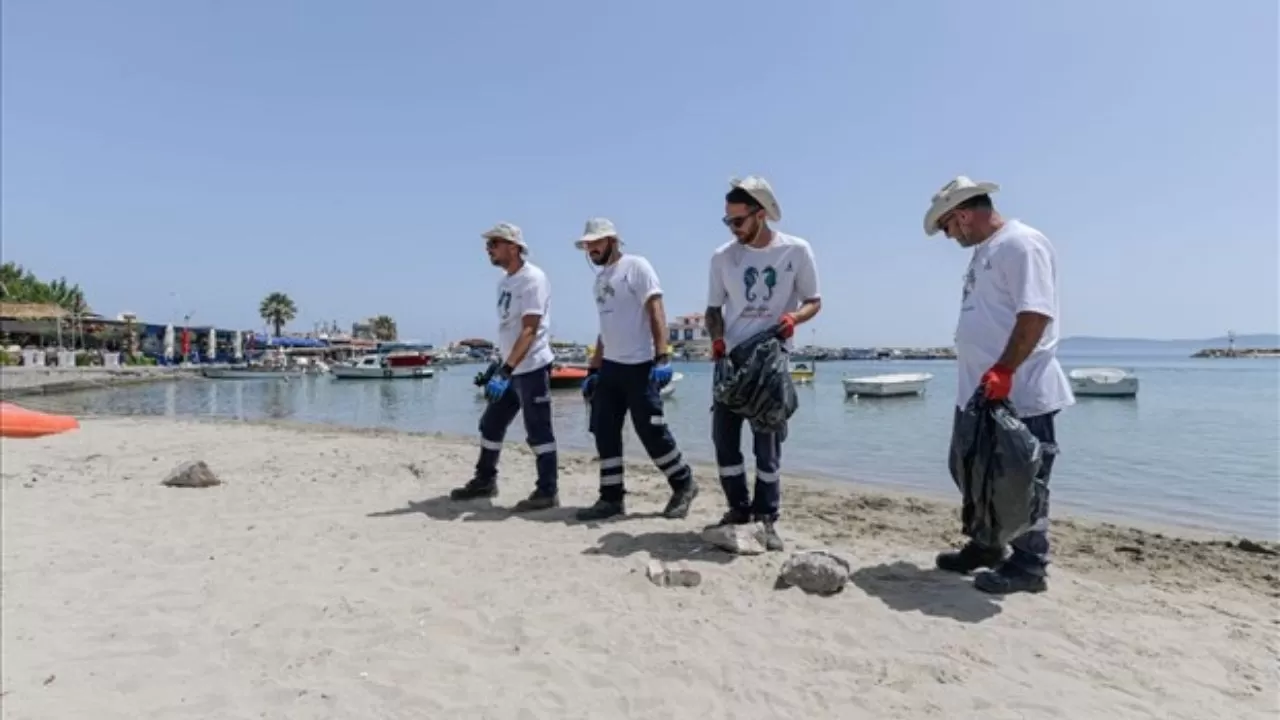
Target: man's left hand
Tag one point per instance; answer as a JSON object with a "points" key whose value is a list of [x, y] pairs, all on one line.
{"points": [[997, 383], [661, 372], [786, 326]]}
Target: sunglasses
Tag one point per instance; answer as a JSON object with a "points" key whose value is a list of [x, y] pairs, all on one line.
{"points": [[735, 222]]}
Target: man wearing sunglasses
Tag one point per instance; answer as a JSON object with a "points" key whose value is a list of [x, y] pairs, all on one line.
{"points": [[523, 383], [629, 367], [759, 280], [1006, 346]]}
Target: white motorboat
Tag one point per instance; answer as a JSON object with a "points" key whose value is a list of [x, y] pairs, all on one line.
{"points": [[249, 372], [892, 385], [667, 390], [1103, 382], [385, 367]]}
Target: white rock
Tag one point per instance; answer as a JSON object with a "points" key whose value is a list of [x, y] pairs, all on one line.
{"points": [[820, 572], [737, 539]]}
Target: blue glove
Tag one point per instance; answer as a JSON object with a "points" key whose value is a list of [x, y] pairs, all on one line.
{"points": [[498, 384], [661, 373], [589, 383]]}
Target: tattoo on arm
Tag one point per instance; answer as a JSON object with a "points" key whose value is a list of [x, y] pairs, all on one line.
{"points": [[715, 323]]}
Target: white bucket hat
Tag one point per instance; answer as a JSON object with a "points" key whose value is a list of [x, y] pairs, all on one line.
{"points": [[758, 188], [596, 229], [951, 195], [506, 231]]}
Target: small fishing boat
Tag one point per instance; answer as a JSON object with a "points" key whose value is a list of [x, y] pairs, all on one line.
{"points": [[386, 366], [891, 385], [667, 390], [1103, 382], [567, 376], [250, 372], [802, 373], [19, 422]]}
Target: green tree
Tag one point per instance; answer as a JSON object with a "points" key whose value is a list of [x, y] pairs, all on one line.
{"points": [[17, 284], [277, 309], [384, 328]]}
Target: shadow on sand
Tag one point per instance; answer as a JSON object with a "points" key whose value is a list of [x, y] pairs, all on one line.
{"points": [[665, 546], [907, 587]]}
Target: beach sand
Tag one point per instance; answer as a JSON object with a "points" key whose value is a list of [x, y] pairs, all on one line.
{"points": [[327, 579]]}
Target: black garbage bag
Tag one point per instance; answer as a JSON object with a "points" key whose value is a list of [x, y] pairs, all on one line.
{"points": [[754, 381], [995, 461]]}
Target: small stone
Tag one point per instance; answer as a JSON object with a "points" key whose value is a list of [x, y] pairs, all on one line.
{"points": [[192, 474], [737, 539], [819, 572], [663, 576]]}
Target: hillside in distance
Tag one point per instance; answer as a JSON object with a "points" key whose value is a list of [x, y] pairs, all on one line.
{"points": [[1085, 342]]}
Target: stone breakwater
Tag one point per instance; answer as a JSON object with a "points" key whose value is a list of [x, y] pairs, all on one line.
{"points": [[26, 381], [1237, 353]]}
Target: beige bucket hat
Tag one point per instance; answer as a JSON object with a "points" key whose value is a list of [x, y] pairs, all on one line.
{"points": [[951, 195], [506, 231], [596, 229], [758, 188]]}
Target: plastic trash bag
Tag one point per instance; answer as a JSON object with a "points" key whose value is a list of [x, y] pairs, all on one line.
{"points": [[754, 381], [995, 462]]}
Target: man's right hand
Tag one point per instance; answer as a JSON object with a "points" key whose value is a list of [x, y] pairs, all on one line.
{"points": [[717, 349]]}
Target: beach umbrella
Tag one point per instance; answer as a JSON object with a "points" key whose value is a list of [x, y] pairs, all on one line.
{"points": [[237, 345], [168, 343], [186, 344], [213, 344]]}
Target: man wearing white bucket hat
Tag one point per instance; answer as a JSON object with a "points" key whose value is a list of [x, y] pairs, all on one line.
{"points": [[629, 367], [761, 279], [1006, 346], [523, 383]]}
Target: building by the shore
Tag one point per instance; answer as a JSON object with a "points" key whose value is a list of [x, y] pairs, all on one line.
{"points": [[688, 337]]}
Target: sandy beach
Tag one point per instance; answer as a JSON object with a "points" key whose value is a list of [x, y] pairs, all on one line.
{"points": [[327, 578]]}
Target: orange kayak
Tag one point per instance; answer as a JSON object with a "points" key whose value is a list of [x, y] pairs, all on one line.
{"points": [[567, 376], [18, 422]]}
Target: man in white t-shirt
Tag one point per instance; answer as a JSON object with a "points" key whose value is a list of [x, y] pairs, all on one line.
{"points": [[629, 367], [760, 280], [1006, 348], [522, 384]]}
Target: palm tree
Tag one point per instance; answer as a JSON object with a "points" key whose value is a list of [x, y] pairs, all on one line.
{"points": [[277, 309], [384, 328]]}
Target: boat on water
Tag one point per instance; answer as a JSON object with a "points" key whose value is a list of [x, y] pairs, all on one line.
{"points": [[403, 365], [568, 376], [573, 381], [1103, 382], [251, 372], [802, 372], [891, 385]]}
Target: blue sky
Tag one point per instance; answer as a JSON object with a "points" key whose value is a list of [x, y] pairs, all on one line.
{"points": [[178, 157]]}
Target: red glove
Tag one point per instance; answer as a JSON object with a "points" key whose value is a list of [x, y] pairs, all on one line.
{"points": [[997, 383], [717, 349], [786, 326]]}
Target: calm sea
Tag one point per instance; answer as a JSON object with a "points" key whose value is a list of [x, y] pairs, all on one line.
{"points": [[1199, 448]]}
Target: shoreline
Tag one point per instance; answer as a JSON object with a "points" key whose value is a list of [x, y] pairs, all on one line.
{"points": [[328, 575], [18, 382]]}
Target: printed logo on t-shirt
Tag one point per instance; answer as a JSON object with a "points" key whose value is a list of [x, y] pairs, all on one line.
{"points": [[504, 303], [970, 279], [604, 291], [752, 277]]}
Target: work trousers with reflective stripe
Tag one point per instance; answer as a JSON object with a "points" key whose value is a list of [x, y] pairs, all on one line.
{"points": [[1030, 550], [620, 389], [530, 394], [726, 434]]}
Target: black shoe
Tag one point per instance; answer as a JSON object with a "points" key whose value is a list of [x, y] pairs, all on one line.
{"points": [[538, 500], [733, 517], [680, 502], [602, 510], [475, 490], [1009, 578], [772, 541], [969, 558]]}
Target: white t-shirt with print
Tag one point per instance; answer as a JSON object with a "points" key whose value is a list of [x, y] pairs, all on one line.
{"points": [[756, 286], [622, 289], [1015, 270], [525, 292]]}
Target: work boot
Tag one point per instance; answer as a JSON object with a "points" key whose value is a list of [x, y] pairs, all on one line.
{"points": [[603, 509], [1010, 578], [772, 541], [681, 500], [537, 500], [475, 489], [969, 558], [736, 516]]}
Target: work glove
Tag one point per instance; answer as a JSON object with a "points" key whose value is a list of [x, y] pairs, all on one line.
{"points": [[997, 383], [786, 326], [661, 373], [498, 384], [717, 349], [482, 378], [589, 383]]}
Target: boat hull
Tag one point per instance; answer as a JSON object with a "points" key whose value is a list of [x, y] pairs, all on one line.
{"points": [[390, 373], [1103, 382], [887, 385]]}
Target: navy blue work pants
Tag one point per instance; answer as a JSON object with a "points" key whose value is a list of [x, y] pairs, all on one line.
{"points": [[620, 390], [530, 394], [726, 434]]}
